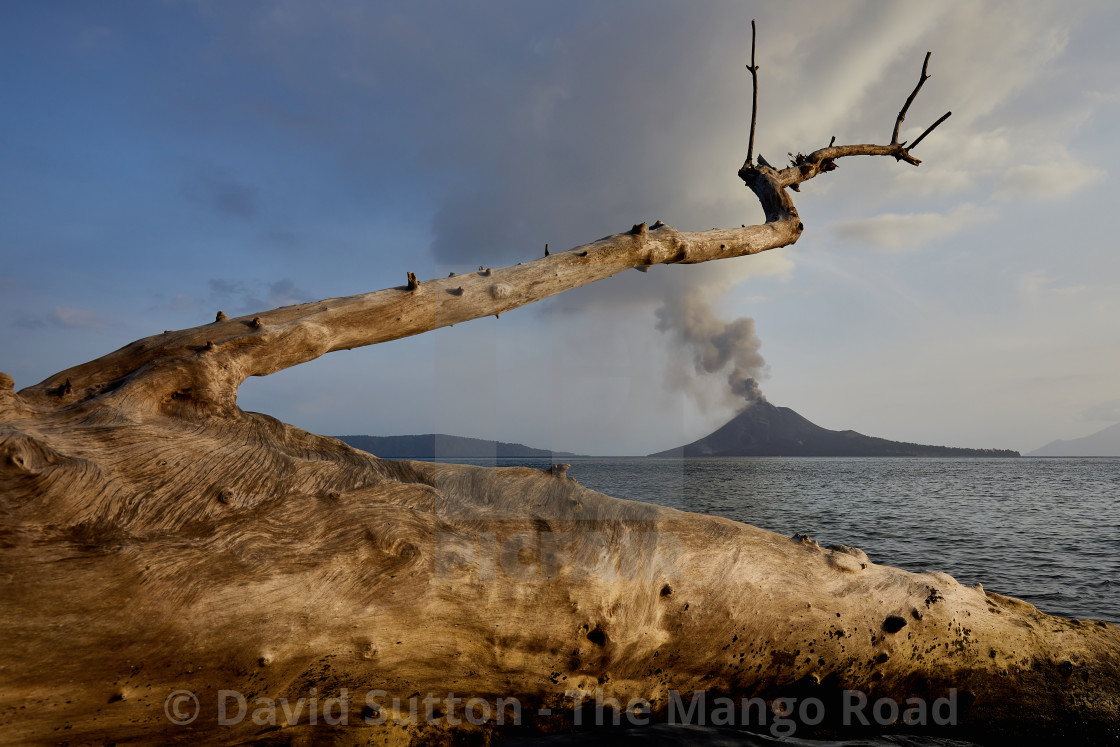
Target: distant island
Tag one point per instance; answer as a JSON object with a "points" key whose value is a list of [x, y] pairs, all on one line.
{"points": [[442, 446], [1103, 443], [766, 430]]}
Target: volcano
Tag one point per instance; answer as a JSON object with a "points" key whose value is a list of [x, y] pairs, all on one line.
{"points": [[766, 430]]}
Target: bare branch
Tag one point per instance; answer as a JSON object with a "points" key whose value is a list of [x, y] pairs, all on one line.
{"points": [[754, 98], [928, 131], [212, 360], [910, 99], [201, 368], [824, 159]]}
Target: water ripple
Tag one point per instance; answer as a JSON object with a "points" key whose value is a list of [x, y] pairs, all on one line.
{"points": [[1043, 530]]}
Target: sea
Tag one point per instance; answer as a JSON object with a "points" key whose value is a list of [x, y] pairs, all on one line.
{"points": [[1045, 530]]}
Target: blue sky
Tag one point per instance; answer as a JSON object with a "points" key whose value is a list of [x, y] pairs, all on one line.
{"points": [[163, 160]]}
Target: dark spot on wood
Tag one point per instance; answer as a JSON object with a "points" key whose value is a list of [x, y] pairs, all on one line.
{"points": [[894, 623], [597, 636], [666, 590]]}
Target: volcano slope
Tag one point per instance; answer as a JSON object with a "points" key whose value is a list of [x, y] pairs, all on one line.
{"points": [[763, 429], [166, 556]]}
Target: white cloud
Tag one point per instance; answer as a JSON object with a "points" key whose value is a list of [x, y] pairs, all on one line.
{"points": [[1108, 411], [898, 231], [1032, 283], [1056, 178], [955, 161], [1040, 286], [77, 318], [988, 52], [239, 296], [179, 302]]}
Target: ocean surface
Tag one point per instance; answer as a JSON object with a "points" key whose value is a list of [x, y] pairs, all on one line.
{"points": [[1045, 530]]}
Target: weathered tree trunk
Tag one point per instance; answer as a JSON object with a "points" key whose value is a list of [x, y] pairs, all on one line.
{"points": [[156, 538]]}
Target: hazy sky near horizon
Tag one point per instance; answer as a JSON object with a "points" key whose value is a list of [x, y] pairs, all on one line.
{"points": [[163, 160]]}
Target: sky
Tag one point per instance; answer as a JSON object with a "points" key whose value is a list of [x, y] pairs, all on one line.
{"points": [[164, 160]]}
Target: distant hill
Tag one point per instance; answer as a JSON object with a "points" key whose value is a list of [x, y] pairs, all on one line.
{"points": [[1102, 443], [765, 430], [442, 446]]}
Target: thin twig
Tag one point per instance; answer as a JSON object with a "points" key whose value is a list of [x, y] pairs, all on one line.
{"points": [[910, 100], [754, 99], [929, 129]]}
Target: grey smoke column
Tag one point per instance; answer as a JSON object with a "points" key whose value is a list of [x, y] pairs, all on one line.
{"points": [[714, 344]]}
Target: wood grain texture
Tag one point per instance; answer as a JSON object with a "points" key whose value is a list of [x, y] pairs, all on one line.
{"points": [[144, 555]]}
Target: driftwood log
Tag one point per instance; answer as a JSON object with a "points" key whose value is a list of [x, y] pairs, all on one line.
{"points": [[171, 565]]}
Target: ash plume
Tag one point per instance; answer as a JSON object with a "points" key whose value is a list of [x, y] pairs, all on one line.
{"points": [[713, 345]]}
